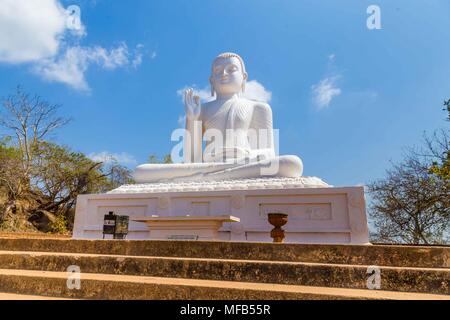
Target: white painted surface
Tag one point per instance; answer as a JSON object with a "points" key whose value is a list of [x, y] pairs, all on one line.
{"points": [[185, 227], [316, 214]]}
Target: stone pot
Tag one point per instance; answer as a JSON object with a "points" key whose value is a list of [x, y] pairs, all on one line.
{"points": [[277, 220]]}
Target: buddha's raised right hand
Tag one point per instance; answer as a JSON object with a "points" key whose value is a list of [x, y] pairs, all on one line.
{"points": [[192, 104]]}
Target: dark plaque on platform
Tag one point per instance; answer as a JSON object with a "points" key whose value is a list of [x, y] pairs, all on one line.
{"points": [[109, 223]]}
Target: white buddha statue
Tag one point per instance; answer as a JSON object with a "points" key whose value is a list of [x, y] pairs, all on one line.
{"points": [[238, 134]]}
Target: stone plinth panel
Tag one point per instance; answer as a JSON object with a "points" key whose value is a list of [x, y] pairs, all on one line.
{"points": [[318, 213]]}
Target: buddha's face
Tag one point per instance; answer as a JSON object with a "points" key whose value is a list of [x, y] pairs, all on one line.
{"points": [[227, 76]]}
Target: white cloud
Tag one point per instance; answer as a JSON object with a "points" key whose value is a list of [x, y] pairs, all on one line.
{"points": [[108, 157], [116, 57], [70, 68], [139, 55], [41, 32], [256, 91], [137, 61], [181, 120], [325, 91], [30, 30], [253, 90]]}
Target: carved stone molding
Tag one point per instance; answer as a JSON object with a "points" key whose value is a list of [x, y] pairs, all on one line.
{"points": [[237, 202], [242, 184], [163, 203]]}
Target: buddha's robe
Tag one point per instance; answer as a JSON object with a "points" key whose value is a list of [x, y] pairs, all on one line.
{"points": [[239, 145]]}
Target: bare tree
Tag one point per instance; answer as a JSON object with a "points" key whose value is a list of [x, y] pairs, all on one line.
{"points": [[29, 120], [447, 108], [412, 203]]}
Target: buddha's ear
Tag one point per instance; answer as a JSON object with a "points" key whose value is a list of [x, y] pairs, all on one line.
{"points": [[245, 80], [212, 87]]}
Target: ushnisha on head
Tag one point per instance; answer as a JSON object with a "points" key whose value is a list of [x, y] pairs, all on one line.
{"points": [[228, 75]]}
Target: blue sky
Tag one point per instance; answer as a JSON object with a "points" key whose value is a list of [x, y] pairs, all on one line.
{"points": [[346, 99]]}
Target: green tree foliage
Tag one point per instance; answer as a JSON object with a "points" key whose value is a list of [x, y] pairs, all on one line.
{"points": [[39, 179], [59, 174], [154, 159], [10, 169]]}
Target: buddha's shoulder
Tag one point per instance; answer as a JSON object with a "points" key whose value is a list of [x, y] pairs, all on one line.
{"points": [[259, 106], [256, 105]]}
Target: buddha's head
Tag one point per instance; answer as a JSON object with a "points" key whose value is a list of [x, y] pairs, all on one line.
{"points": [[228, 74]]}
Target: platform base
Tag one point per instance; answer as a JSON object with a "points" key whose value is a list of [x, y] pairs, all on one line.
{"points": [[317, 213]]}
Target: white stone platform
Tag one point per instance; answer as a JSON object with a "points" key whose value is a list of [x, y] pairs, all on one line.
{"points": [[318, 213]]}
